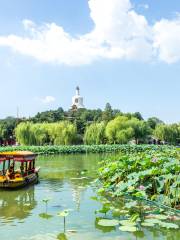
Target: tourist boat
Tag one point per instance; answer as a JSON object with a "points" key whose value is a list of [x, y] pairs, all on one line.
{"points": [[17, 169]]}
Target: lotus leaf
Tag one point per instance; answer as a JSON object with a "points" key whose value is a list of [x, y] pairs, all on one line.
{"points": [[128, 228], [161, 217], [127, 222], [168, 225], [64, 213], [108, 222], [147, 224]]}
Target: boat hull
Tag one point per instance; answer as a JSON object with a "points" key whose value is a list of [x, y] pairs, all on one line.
{"points": [[19, 183]]}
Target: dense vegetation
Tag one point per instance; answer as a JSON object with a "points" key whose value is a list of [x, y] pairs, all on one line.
{"points": [[87, 149], [152, 174], [62, 133], [108, 126]]}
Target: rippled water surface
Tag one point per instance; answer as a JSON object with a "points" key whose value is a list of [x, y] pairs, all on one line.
{"points": [[67, 182]]}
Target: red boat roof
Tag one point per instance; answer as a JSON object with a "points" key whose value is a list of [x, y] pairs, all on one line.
{"points": [[18, 156]]}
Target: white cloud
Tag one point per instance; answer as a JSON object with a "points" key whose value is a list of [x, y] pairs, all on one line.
{"points": [[28, 24], [119, 33], [119, 27], [167, 39], [48, 99]]}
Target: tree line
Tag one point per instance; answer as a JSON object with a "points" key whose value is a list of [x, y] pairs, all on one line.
{"points": [[84, 126]]}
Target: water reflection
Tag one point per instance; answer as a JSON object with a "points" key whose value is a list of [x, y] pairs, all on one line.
{"points": [[66, 181], [69, 167], [75, 172], [131, 213], [17, 204]]}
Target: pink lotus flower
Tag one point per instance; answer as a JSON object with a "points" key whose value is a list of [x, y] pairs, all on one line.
{"points": [[141, 187]]}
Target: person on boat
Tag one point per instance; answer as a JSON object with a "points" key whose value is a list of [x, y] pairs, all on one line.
{"points": [[10, 172], [22, 169]]}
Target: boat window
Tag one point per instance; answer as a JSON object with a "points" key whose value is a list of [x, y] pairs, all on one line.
{"points": [[1, 167], [17, 166], [5, 165]]}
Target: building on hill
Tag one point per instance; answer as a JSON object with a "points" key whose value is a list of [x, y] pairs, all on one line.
{"points": [[77, 100]]}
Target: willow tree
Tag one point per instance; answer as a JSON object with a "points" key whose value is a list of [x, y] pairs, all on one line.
{"points": [[141, 129], [24, 135], [95, 133], [40, 132], [62, 133], [119, 130], [168, 133]]}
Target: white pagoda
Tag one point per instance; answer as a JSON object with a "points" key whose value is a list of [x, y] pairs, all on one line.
{"points": [[77, 100]]}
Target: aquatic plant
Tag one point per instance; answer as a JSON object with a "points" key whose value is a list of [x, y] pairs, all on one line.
{"points": [[45, 214], [62, 236], [134, 215], [64, 214], [135, 174], [46, 200], [63, 149]]}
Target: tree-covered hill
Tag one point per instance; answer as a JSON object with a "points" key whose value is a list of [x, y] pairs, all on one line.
{"points": [[88, 126]]}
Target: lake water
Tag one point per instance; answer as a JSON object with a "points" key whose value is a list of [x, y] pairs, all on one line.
{"points": [[67, 182]]}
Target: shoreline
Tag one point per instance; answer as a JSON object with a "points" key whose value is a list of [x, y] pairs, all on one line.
{"points": [[73, 149]]}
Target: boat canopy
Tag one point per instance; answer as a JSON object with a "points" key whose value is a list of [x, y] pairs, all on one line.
{"points": [[18, 156]]}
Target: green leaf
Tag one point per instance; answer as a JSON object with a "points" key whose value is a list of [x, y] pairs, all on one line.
{"points": [[62, 236], [131, 204], [127, 222], [128, 228], [117, 212], [152, 220], [46, 200], [161, 217], [108, 222], [45, 216], [168, 225], [94, 198], [64, 213], [147, 224], [134, 217]]}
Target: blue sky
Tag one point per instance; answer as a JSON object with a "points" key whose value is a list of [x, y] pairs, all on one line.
{"points": [[75, 47]]}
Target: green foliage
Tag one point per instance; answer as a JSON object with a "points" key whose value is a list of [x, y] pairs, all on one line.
{"points": [[108, 222], [149, 174], [24, 135], [95, 133], [138, 116], [62, 133], [108, 126], [28, 133], [119, 130], [141, 130], [49, 116], [65, 149], [63, 213], [62, 236], [168, 133], [123, 129], [7, 128], [128, 228], [153, 122], [107, 114], [73, 127], [131, 215]]}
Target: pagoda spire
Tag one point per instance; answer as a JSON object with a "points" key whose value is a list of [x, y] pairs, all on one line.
{"points": [[77, 90], [77, 100]]}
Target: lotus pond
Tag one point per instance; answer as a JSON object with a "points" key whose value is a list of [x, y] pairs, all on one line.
{"points": [[66, 200]]}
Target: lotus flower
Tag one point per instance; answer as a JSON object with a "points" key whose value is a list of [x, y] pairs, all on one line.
{"points": [[141, 187]]}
